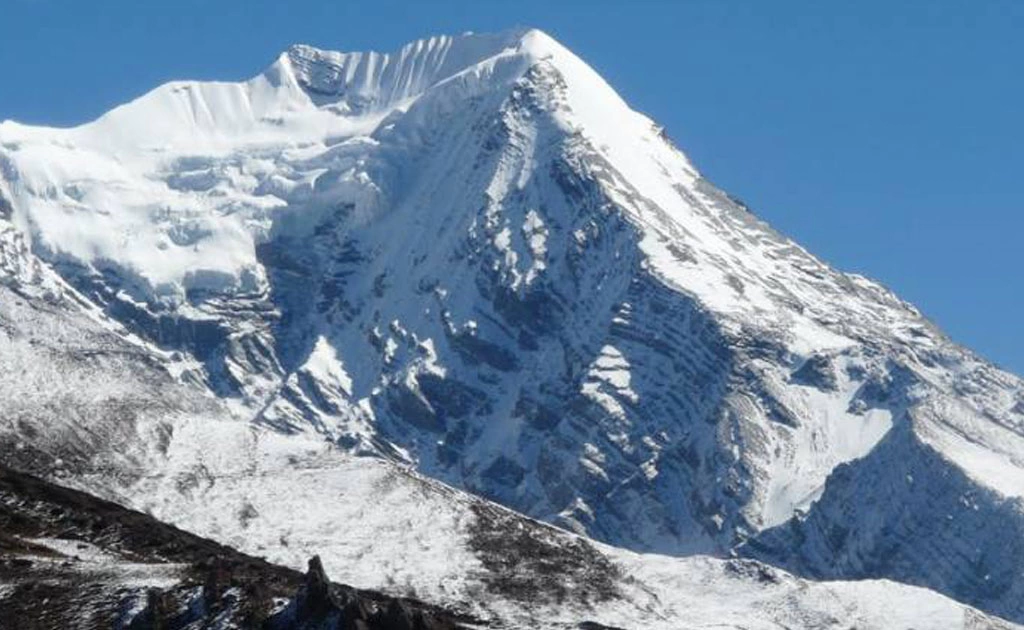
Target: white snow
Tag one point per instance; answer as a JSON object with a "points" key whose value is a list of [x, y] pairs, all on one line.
{"points": [[377, 525], [325, 364], [88, 558], [830, 434], [174, 193]]}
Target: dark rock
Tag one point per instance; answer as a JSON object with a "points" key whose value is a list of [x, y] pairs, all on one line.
{"points": [[314, 600], [234, 589], [817, 371], [450, 397], [476, 350], [413, 407], [534, 564]]}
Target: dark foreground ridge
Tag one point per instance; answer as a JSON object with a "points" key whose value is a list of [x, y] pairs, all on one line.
{"points": [[71, 560]]}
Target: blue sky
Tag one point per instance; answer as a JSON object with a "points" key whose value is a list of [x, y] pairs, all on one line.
{"points": [[887, 137]]}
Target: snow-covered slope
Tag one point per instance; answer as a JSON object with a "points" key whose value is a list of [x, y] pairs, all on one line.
{"points": [[69, 560], [471, 257], [376, 524], [391, 528]]}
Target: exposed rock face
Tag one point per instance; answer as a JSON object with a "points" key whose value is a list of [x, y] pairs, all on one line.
{"points": [[314, 600], [818, 372], [966, 538]]}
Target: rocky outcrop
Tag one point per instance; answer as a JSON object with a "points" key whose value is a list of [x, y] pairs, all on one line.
{"points": [[70, 560]]}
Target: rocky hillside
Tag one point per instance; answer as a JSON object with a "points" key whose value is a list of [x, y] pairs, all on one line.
{"points": [[70, 560]]}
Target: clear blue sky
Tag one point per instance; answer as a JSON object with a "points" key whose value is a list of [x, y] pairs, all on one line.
{"points": [[886, 136]]}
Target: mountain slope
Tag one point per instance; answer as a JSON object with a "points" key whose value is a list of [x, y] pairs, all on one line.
{"points": [[470, 256], [69, 560], [377, 525]]}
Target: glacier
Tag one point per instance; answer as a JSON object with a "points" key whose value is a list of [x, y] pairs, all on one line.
{"points": [[469, 266]]}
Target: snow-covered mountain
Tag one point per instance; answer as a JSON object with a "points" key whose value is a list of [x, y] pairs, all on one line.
{"points": [[248, 307]]}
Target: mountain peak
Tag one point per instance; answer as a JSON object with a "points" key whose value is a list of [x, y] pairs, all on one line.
{"points": [[302, 80], [471, 256], [369, 80]]}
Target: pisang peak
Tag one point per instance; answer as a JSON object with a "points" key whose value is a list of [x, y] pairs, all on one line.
{"points": [[461, 322]]}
